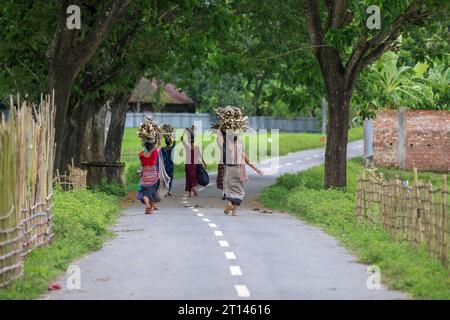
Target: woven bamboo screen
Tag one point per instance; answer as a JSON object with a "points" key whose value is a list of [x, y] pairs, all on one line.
{"points": [[26, 166], [417, 214]]}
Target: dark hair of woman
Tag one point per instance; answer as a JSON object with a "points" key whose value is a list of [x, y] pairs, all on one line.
{"points": [[149, 145]]}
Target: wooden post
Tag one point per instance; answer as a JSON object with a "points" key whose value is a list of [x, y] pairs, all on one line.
{"points": [[443, 223], [358, 197], [380, 191], [415, 211], [397, 211], [432, 221], [324, 115]]}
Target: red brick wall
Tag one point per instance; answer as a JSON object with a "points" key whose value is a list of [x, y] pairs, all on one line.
{"points": [[385, 139], [427, 139]]}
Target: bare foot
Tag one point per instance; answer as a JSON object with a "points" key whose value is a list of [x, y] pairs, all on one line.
{"points": [[228, 207]]}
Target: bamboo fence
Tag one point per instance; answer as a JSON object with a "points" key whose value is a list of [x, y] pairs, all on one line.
{"points": [[75, 180], [26, 187], [416, 214]]}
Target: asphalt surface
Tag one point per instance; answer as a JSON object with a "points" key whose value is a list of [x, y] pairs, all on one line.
{"points": [[190, 250]]}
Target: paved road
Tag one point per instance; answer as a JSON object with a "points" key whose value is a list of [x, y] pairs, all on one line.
{"points": [[191, 250]]}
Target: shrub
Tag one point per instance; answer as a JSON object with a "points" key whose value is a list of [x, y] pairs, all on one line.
{"points": [[111, 189]]}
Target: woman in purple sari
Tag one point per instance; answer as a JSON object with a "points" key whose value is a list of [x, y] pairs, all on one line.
{"points": [[193, 158]]}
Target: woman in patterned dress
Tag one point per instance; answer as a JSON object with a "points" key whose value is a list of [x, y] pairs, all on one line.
{"points": [[149, 181]]}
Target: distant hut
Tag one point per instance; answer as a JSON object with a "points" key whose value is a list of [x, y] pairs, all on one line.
{"points": [[154, 96]]}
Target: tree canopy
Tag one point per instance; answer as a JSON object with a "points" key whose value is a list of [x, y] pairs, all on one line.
{"points": [[270, 57]]}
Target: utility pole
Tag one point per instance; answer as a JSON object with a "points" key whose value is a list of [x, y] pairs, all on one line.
{"points": [[324, 115], [368, 142]]}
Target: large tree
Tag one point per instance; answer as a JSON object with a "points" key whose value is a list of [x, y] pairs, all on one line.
{"points": [[150, 39], [71, 50], [343, 46]]}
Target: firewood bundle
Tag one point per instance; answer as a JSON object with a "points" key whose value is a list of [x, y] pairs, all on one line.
{"points": [[231, 118], [149, 130], [167, 131]]}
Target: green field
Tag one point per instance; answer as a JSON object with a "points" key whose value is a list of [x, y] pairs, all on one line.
{"points": [[401, 266], [288, 142]]}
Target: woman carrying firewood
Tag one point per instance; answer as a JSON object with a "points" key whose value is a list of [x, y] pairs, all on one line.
{"points": [[153, 183], [232, 121]]}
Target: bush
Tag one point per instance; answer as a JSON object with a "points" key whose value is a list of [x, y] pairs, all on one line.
{"points": [[132, 175], [111, 189]]}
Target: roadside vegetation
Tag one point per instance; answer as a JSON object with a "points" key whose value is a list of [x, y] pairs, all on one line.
{"points": [[402, 268], [81, 221]]}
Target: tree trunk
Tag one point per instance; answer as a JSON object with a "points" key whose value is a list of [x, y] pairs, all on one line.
{"points": [[337, 137], [113, 145], [60, 82], [339, 92], [94, 143], [259, 85], [76, 140]]}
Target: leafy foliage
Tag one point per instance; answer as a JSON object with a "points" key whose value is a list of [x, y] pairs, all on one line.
{"points": [[389, 85]]}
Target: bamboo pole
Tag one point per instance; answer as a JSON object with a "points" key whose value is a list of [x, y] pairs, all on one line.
{"points": [[443, 227], [358, 197], [432, 221], [415, 210]]}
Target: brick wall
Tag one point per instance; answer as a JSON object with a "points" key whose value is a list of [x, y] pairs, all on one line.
{"points": [[412, 139]]}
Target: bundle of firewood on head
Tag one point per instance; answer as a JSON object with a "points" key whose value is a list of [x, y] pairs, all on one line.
{"points": [[167, 131], [149, 130], [231, 118]]}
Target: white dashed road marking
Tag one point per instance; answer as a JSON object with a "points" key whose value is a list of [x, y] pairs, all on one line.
{"points": [[230, 255], [299, 161], [235, 271], [288, 164], [242, 291], [224, 243], [309, 158]]}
